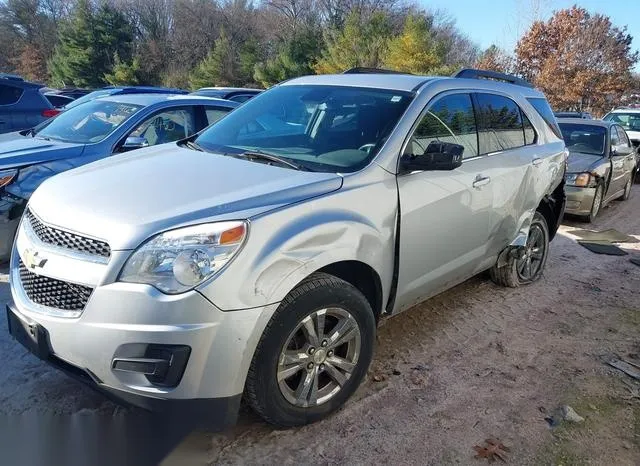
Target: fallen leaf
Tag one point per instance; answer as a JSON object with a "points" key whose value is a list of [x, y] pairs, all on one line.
{"points": [[492, 451]]}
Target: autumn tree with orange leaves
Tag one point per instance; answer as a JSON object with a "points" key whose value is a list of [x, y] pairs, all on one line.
{"points": [[581, 61], [496, 59]]}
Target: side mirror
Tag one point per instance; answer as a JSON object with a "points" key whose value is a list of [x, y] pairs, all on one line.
{"points": [[621, 150], [133, 143], [437, 156]]}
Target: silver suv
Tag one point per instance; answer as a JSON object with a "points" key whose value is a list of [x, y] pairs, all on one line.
{"points": [[256, 258]]}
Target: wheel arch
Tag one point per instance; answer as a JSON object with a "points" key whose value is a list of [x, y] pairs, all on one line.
{"points": [[551, 207], [363, 277]]}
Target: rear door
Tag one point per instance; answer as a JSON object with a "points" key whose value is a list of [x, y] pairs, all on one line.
{"points": [[9, 118], [621, 158], [507, 140], [444, 215], [630, 161]]}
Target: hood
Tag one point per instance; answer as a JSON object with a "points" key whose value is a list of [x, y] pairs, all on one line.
{"points": [[127, 198], [633, 135], [17, 150], [581, 162]]}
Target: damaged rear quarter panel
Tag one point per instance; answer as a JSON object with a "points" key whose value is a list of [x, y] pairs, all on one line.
{"points": [[355, 223]]}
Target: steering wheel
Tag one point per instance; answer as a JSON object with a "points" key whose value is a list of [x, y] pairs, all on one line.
{"points": [[367, 147]]}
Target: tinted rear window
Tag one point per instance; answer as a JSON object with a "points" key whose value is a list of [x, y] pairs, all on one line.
{"points": [[9, 94], [58, 100], [587, 139], [542, 107], [500, 123]]}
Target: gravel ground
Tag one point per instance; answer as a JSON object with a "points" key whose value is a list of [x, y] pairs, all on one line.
{"points": [[474, 363]]}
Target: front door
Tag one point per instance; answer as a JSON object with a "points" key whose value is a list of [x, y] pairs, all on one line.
{"points": [[444, 214]]}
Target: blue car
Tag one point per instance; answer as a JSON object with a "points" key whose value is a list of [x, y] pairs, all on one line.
{"points": [[22, 104], [120, 90], [93, 131]]}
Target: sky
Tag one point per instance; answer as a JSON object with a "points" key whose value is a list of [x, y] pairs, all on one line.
{"points": [[502, 22]]}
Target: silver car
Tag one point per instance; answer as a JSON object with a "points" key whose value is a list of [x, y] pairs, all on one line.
{"points": [[258, 257], [602, 165]]}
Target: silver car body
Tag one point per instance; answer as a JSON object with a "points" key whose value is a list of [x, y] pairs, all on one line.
{"points": [[433, 229]]}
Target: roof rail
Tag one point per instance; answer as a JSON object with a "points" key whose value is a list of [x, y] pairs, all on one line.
{"points": [[12, 77], [365, 70], [471, 73]]}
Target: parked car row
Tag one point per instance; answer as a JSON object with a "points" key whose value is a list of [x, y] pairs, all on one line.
{"points": [[85, 133], [24, 104], [256, 257]]}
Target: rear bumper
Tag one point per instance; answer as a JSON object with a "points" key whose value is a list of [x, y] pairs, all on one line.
{"points": [[579, 200]]}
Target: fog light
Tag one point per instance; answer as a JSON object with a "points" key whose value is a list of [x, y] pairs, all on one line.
{"points": [[162, 365]]}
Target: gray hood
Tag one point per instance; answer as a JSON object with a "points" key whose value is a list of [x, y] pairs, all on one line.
{"points": [[580, 162], [633, 135], [124, 199], [19, 151]]}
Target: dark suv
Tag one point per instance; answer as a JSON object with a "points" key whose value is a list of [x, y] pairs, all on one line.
{"points": [[22, 105]]}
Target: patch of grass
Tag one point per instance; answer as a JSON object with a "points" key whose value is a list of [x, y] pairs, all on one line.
{"points": [[631, 317], [572, 443]]}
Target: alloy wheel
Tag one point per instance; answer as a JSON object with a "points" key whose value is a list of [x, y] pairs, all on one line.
{"points": [[318, 357], [530, 262]]}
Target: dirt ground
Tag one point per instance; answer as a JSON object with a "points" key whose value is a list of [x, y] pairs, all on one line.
{"points": [[474, 363]]}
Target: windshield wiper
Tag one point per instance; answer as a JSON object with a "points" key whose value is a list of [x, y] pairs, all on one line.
{"points": [[193, 145], [259, 155]]}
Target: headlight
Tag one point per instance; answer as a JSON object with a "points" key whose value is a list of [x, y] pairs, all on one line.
{"points": [[7, 176], [578, 179], [179, 260]]}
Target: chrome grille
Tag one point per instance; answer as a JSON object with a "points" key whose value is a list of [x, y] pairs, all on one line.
{"points": [[53, 293], [65, 239]]}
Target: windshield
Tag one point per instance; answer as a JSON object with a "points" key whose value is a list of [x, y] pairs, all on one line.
{"points": [[87, 123], [90, 96], [322, 128], [629, 121], [588, 139]]}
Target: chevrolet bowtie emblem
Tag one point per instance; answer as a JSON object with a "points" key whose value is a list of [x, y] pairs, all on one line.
{"points": [[32, 259]]}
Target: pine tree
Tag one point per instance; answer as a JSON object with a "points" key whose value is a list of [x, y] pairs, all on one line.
{"points": [[73, 60], [361, 42], [226, 65], [294, 58], [415, 50], [124, 73], [88, 44]]}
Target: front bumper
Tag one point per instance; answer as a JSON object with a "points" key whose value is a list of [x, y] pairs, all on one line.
{"points": [[579, 200], [124, 321], [216, 413]]}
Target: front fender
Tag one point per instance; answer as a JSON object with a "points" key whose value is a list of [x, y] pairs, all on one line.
{"points": [[286, 246], [321, 242]]}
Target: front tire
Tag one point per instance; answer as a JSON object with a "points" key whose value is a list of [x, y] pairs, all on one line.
{"points": [[627, 188], [597, 203], [526, 264], [313, 354]]}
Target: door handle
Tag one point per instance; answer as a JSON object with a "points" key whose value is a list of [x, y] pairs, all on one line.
{"points": [[537, 161], [481, 181]]}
